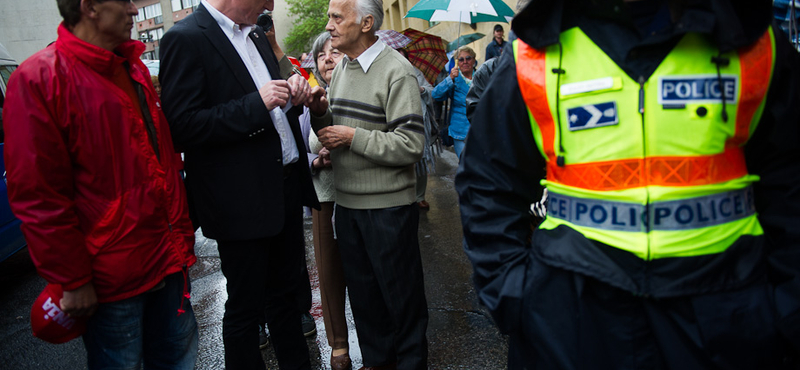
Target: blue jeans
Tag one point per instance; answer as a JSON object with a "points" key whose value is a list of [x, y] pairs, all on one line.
{"points": [[458, 146], [144, 329]]}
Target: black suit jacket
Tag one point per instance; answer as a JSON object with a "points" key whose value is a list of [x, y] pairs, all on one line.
{"points": [[233, 163]]}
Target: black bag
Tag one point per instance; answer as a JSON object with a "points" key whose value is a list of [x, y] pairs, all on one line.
{"points": [[444, 129], [446, 139]]}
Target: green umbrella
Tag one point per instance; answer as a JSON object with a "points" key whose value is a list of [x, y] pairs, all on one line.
{"points": [[464, 11], [463, 40]]}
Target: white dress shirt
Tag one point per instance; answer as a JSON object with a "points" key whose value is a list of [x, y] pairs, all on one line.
{"points": [[368, 56], [238, 35]]}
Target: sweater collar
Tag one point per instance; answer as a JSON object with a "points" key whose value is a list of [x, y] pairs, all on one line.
{"points": [[97, 58]]}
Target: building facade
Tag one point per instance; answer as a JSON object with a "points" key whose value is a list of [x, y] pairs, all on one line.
{"points": [[28, 26], [151, 22]]}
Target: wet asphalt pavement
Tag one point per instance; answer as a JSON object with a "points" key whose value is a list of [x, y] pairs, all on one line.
{"points": [[460, 332]]}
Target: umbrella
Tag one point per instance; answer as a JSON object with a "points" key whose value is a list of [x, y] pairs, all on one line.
{"points": [[464, 11], [308, 62], [392, 38], [426, 52], [463, 40]]}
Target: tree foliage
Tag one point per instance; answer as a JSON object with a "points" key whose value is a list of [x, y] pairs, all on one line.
{"points": [[311, 17]]}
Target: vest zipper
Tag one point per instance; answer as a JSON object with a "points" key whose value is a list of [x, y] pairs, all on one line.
{"points": [[645, 170]]}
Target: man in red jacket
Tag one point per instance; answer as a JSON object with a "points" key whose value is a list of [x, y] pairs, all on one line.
{"points": [[93, 176]]}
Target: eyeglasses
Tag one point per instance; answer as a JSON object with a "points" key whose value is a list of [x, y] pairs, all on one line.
{"points": [[462, 59]]}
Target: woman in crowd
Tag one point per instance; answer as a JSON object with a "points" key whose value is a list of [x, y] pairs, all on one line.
{"points": [[455, 87], [326, 252]]}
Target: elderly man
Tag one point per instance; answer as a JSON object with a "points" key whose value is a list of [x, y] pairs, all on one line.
{"points": [[375, 139], [236, 120], [93, 176]]}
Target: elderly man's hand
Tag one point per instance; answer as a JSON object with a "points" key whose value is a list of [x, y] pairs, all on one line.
{"points": [[337, 136], [325, 155], [275, 93], [300, 89], [318, 102]]}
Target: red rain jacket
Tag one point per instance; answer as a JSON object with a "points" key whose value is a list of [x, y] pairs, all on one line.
{"points": [[96, 203]]}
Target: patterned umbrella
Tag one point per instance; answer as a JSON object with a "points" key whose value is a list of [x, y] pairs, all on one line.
{"points": [[308, 62], [426, 52], [394, 39]]}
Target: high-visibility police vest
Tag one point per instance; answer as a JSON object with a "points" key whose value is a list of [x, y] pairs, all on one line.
{"points": [[648, 166]]}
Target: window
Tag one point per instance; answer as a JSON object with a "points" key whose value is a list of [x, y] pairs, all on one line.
{"points": [[156, 34], [140, 17], [152, 11], [176, 5], [190, 3]]}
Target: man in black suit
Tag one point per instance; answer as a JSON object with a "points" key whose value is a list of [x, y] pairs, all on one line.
{"points": [[236, 121]]}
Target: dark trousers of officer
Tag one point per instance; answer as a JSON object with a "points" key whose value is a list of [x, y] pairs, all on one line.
{"points": [[571, 321], [383, 271], [275, 265]]}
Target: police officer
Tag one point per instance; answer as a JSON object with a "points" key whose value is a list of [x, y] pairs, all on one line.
{"points": [[665, 133]]}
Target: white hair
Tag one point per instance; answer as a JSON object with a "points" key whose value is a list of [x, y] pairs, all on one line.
{"points": [[373, 8]]}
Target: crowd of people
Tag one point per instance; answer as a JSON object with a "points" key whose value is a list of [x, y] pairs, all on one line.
{"points": [[662, 134]]}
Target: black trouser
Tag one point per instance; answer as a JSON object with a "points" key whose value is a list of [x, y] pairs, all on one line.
{"points": [[275, 265], [571, 321], [383, 271]]}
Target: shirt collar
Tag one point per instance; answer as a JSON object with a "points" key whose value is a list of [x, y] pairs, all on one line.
{"points": [[368, 56], [226, 24]]}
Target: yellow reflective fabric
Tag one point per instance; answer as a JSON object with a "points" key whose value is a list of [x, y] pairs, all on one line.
{"points": [[679, 149]]}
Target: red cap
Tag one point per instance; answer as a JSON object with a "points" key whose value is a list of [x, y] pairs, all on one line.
{"points": [[51, 324]]}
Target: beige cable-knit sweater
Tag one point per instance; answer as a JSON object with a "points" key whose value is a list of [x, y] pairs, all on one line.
{"points": [[323, 177]]}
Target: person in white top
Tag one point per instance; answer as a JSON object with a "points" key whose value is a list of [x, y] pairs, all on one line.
{"points": [[237, 122]]}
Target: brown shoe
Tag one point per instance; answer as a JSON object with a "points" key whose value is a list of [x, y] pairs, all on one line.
{"points": [[424, 205], [341, 362]]}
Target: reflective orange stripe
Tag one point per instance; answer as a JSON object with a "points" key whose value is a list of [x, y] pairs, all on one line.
{"points": [[755, 67], [533, 89], [660, 171]]}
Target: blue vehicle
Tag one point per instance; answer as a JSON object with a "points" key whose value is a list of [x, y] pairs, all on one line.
{"points": [[11, 239]]}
